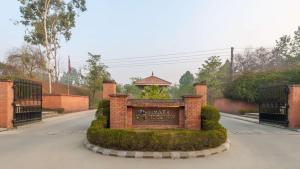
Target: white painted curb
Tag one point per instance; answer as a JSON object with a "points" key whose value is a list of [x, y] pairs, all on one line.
{"points": [[172, 154]]}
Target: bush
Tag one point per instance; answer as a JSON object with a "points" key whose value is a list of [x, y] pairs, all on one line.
{"points": [[155, 140], [103, 110], [210, 117], [100, 122], [210, 113]]}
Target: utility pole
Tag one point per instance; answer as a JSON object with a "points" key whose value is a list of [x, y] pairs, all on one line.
{"points": [[231, 64], [69, 72]]}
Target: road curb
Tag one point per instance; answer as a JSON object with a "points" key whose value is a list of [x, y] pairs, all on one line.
{"points": [[256, 121], [158, 155], [3, 129], [240, 118]]}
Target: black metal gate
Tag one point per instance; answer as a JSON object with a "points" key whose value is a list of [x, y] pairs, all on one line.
{"points": [[27, 102], [273, 104]]}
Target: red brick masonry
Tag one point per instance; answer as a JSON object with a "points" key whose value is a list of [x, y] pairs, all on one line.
{"points": [[6, 107], [108, 88], [234, 106], [294, 107], [160, 113], [70, 103], [121, 111]]}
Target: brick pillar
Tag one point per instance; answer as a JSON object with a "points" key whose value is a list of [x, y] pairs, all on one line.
{"points": [[118, 111], [201, 90], [192, 112], [294, 106], [109, 87], [6, 107]]}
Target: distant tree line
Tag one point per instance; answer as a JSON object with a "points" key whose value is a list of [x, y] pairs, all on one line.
{"points": [[259, 67]]}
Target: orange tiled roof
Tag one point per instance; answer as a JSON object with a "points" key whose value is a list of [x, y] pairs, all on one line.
{"points": [[152, 80]]}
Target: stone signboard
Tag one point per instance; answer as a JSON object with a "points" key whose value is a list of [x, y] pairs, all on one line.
{"points": [[155, 116]]}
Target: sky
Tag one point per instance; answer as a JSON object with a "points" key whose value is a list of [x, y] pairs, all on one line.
{"points": [[167, 37]]}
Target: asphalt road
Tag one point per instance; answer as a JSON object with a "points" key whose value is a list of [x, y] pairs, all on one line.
{"points": [[57, 143]]}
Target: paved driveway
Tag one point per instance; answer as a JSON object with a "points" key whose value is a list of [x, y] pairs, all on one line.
{"points": [[56, 143]]}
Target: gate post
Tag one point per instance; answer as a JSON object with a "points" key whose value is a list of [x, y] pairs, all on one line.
{"points": [[6, 104], [109, 87], [192, 112], [118, 111], [201, 90], [294, 106]]}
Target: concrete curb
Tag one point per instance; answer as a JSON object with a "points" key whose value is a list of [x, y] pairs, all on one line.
{"points": [[158, 155], [256, 121], [3, 129]]}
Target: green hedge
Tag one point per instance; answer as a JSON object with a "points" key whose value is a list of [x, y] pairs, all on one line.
{"points": [[210, 117], [154, 140]]}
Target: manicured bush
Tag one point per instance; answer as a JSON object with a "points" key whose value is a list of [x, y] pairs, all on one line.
{"points": [[210, 113], [210, 125], [210, 117], [155, 140], [103, 110], [100, 122]]}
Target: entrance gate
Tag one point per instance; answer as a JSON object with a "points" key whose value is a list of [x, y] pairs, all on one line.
{"points": [[27, 102], [273, 104]]}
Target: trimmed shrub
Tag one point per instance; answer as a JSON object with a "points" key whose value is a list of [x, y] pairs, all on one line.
{"points": [[210, 117], [100, 122], [155, 140], [104, 110], [210, 125], [210, 113]]}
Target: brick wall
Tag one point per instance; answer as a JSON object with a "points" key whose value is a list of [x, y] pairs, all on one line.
{"points": [[70, 103], [6, 100], [233, 106], [294, 107]]}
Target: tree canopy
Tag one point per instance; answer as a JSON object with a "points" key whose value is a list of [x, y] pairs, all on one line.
{"points": [[46, 21], [96, 73]]}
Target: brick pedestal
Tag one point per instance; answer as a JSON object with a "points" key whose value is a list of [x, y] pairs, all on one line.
{"points": [[109, 88], [6, 107], [192, 111], [118, 111], [201, 90], [294, 107]]}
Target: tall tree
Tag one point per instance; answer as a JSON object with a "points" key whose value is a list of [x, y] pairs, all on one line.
{"points": [[186, 79], [255, 60], [28, 60], [210, 74], [74, 77], [47, 21], [96, 73], [209, 71]]}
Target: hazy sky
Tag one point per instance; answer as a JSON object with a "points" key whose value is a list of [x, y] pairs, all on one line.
{"points": [[119, 29]]}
